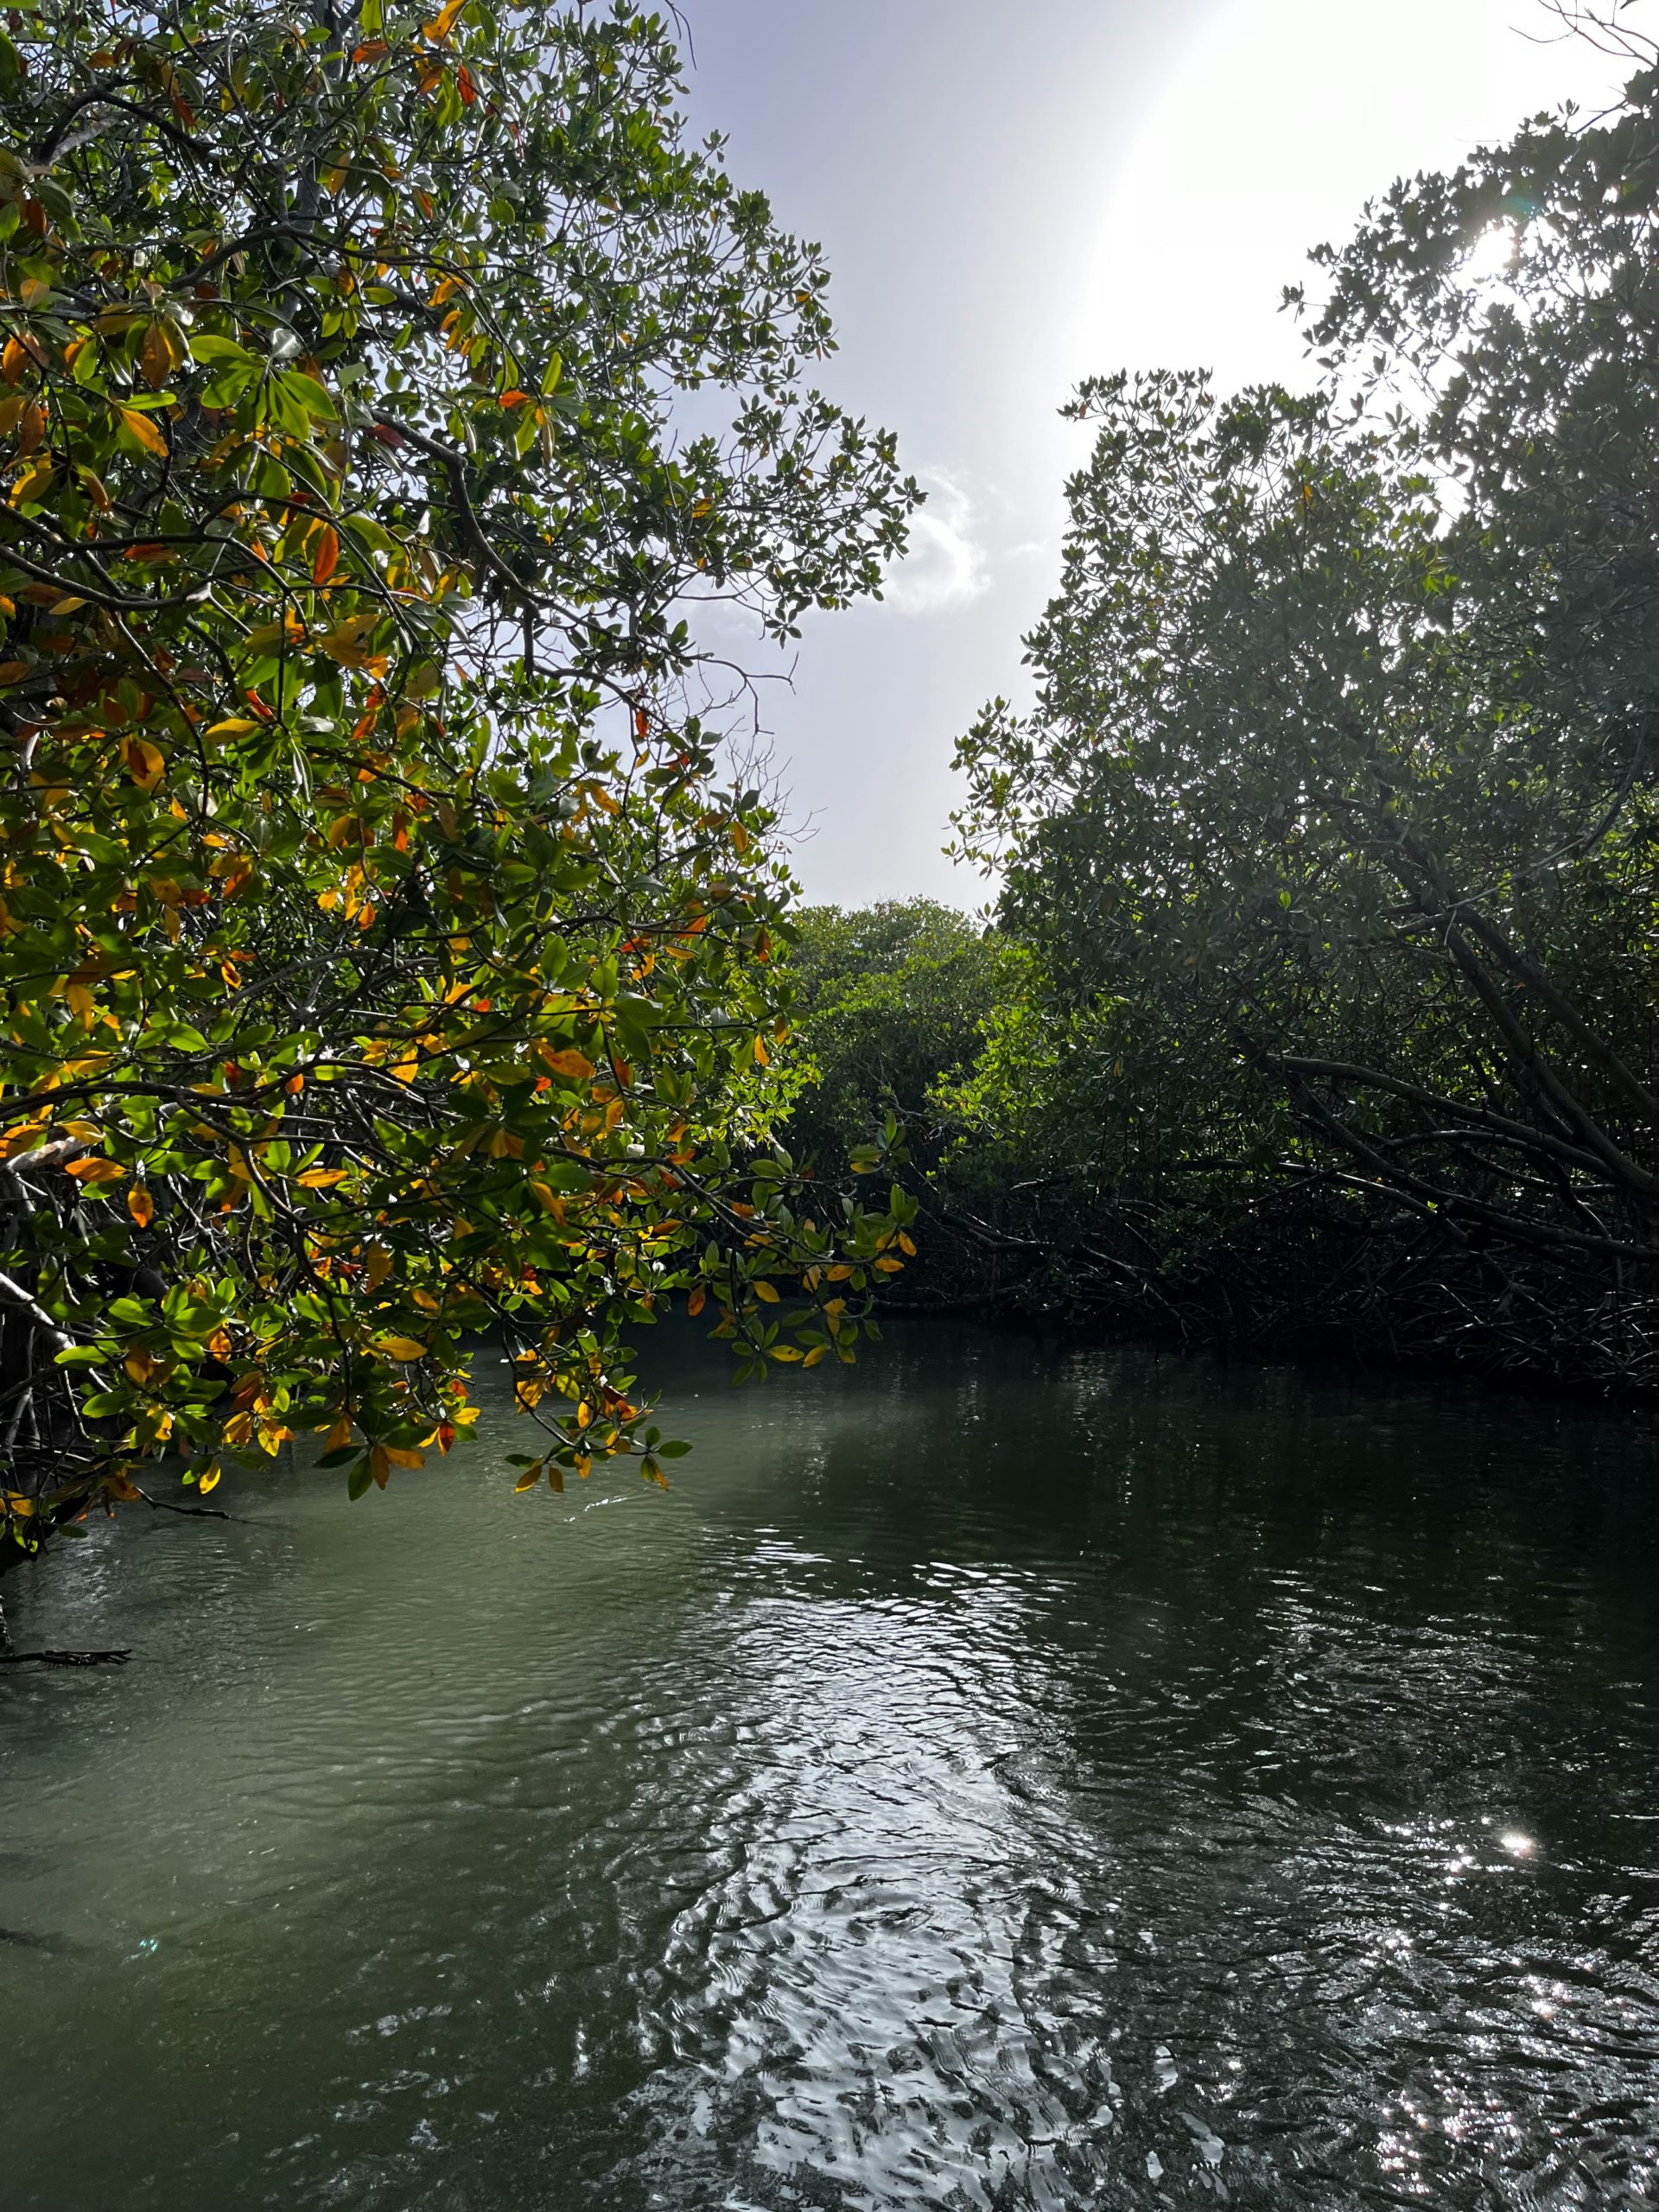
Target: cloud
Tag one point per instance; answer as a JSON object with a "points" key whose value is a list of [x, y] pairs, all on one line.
{"points": [[945, 566]]}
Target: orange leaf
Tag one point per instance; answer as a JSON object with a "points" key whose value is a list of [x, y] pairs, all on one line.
{"points": [[141, 1205], [160, 354], [327, 558], [96, 1171]]}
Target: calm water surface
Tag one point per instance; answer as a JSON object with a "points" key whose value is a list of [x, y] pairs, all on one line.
{"points": [[997, 1777]]}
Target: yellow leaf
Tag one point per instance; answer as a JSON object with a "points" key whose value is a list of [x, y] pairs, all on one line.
{"points": [[140, 426], [904, 1244], [347, 643], [33, 481], [340, 1435], [568, 1063], [761, 1053], [141, 1205], [401, 1458], [784, 1352], [839, 1274], [379, 1266], [817, 1352], [529, 1479], [209, 1479], [379, 1464], [444, 21], [765, 1290], [399, 1348], [889, 1267], [321, 1179], [144, 762]]}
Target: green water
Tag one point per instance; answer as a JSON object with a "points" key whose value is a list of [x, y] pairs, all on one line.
{"points": [[998, 1777]]}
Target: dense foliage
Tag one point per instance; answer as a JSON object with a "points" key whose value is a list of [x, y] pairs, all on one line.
{"points": [[383, 956], [890, 1001], [1332, 835]]}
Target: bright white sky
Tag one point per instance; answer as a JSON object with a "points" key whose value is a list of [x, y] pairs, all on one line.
{"points": [[1012, 198]]}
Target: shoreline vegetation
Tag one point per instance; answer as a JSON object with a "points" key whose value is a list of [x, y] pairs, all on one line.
{"points": [[1319, 1012], [910, 1007]]}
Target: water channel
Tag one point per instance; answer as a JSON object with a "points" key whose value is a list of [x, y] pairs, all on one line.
{"points": [[1001, 1776]]}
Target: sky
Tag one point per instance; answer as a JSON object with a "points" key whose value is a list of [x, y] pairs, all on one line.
{"points": [[1012, 199]]}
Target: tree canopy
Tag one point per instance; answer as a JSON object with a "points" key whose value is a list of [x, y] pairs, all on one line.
{"points": [[386, 953], [1333, 826]]}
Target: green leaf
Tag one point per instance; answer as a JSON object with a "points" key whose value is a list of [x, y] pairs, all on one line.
{"points": [[314, 398]]}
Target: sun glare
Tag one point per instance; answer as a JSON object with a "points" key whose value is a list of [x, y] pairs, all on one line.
{"points": [[1491, 254]]}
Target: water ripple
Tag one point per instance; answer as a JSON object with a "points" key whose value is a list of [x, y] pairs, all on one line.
{"points": [[1199, 1788]]}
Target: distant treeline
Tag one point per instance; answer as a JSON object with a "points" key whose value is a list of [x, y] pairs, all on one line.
{"points": [[1320, 1006]]}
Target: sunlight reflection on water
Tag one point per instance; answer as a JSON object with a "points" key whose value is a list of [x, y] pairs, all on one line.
{"points": [[1004, 1778]]}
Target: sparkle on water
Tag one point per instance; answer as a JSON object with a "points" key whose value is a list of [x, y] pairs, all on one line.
{"points": [[997, 1777]]}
